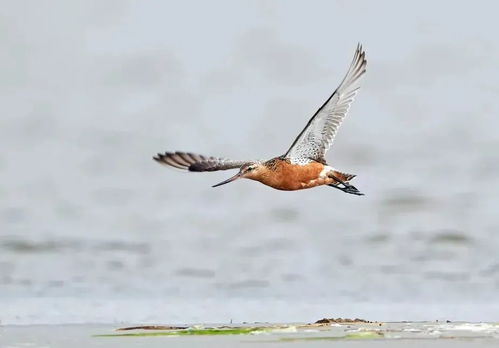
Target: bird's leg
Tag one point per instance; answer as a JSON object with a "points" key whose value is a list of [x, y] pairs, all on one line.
{"points": [[337, 187], [347, 188], [332, 176]]}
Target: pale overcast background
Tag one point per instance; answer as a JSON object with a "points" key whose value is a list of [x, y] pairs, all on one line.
{"points": [[93, 230]]}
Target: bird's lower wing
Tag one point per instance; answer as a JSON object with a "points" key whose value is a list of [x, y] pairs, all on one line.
{"points": [[196, 163]]}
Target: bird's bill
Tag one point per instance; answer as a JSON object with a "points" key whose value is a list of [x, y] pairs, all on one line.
{"points": [[235, 177]]}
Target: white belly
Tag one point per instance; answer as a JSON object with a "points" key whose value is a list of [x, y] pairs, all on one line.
{"points": [[325, 171]]}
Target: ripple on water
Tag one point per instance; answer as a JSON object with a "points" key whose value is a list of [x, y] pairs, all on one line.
{"points": [[55, 246], [451, 237], [195, 273], [246, 284], [406, 201], [29, 246]]}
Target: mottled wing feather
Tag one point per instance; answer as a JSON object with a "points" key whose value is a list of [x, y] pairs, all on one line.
{"points": [[318, 135], [195, 162]]}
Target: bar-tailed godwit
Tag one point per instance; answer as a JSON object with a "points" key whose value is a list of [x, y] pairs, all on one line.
{"points": [[304, 164]]}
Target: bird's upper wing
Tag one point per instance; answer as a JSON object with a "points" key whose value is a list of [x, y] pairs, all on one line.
{"points": [[196, 163], [318, 135]]}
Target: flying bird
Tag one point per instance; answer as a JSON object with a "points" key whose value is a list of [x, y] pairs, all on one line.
{"points": [[303, 165]]}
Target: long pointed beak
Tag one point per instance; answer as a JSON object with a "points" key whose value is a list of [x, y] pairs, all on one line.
{"points": [[235, 177]]}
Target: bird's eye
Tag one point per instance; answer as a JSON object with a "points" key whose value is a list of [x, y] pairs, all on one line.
{"points": [[250, 169]]}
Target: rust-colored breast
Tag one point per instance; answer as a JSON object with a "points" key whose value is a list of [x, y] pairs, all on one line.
{"points": [[283, 175]]}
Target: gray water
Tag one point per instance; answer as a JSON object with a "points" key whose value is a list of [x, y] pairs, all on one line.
{"points": [[93, 230]]}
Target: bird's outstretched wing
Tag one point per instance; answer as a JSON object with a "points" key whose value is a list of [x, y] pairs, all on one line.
{"points": [[318, 135], [196, 163]]}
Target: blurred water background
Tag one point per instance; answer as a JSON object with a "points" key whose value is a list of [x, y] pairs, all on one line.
{"points": [[93, 230]]}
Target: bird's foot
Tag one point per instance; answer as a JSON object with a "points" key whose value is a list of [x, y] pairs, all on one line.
{"points": [[347, 188]]}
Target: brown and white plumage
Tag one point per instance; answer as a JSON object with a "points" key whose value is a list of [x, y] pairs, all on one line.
{"points": [[304, 164]]}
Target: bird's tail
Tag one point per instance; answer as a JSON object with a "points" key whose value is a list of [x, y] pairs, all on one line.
{"points": [[342, 183], [344, 176]]}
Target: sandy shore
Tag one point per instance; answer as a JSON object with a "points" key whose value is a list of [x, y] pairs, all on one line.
{"points": [[431, 334]]}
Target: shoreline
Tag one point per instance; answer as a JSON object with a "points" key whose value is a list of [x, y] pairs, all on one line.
{"points": [[362, 333]]}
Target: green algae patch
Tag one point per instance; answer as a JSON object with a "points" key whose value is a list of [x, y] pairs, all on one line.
{"points": [[362, 335], [189, 332]]}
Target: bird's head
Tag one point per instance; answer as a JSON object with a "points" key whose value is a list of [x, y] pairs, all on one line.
{"points": [[250, 170]]}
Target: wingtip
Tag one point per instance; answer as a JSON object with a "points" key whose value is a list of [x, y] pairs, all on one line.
{"points": [[360, 58], [361, 51]]}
